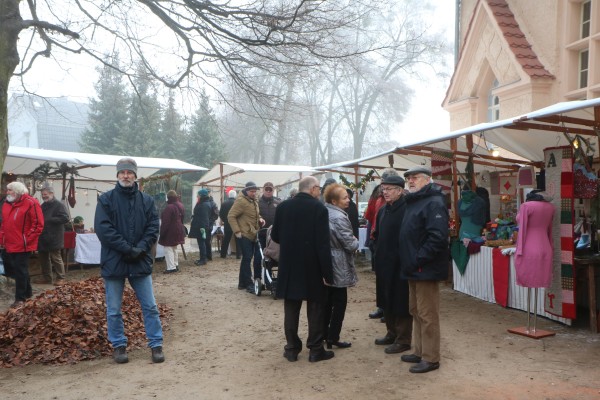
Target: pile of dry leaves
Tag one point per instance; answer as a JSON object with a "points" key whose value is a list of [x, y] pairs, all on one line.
{"points": [[68, 324]]}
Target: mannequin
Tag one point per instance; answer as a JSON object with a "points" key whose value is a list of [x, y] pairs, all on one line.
{"points": [[534, 255], [533, 259]]}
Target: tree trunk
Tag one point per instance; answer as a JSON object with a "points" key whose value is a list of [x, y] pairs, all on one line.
{"points": [[10, 26]]}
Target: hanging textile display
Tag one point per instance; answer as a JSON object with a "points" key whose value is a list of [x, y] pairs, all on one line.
{"points": [[71, 197], [441, 168], [560, 296], [526, 177]]}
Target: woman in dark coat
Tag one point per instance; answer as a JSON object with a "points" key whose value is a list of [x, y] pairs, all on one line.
{"points": [[200, 224], [172, 231]]}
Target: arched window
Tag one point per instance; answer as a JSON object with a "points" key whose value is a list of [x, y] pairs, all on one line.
{"points": [[493, 113]]}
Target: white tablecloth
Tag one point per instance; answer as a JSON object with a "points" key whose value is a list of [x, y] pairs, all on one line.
{"points": [[88, 247], [478, 281]]}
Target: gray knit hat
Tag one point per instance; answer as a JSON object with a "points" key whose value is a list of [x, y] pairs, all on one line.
{"points": [[128, 164]]}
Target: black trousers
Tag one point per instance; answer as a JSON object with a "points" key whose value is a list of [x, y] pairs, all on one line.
{"points": [[16, 266], [334, 313], [227, 235], [208, 243], [314, 314]]}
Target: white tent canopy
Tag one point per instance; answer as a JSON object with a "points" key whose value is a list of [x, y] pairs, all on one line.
{"points": [[237, 174], [529, 134], [92, 167]]}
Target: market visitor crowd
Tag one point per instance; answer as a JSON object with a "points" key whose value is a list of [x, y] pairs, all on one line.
{"points": [[314, 234]]}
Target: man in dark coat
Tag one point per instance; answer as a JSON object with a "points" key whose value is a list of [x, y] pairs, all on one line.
{"points": [[352, 212], [424, 250], [51, 241], [302, 229], [127, 225], [267, 204], [392, 290], [228, 232]]}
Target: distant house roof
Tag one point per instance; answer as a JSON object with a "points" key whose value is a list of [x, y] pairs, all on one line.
{"points": [[60, 121]]}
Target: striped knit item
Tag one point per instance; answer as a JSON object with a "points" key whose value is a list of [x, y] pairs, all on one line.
{"points": [[560, 296]]}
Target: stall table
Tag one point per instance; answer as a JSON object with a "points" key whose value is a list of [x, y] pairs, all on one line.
{"points": [[88, 248], [478, 281]]}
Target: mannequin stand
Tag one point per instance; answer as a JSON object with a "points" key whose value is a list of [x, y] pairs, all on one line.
{"points": [[526, 330]]}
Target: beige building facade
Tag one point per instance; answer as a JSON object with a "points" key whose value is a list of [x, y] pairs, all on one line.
{"points": [[516, 56]]}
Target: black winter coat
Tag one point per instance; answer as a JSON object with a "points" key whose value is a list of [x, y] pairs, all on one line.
{"points": [[55, 218], [352, 212], [125, 218], [225, 207], [301, 228], [424, 235], [267, 207], [392, 290], [201, 218]]}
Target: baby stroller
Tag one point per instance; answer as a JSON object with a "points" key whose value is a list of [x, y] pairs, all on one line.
{"points": [[268, 278]]}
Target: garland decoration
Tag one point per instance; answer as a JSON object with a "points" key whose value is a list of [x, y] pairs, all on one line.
{"points": [[361, 184]]}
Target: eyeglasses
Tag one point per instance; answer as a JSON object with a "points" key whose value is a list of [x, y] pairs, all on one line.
{"points": [[268, 189], [317, 186]]}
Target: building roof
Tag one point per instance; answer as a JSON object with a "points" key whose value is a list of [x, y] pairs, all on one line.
{"points": [[60, 121], [517, 40]]}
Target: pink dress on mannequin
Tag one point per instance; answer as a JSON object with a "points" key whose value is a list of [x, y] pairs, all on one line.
{"points": [[535, 250]]}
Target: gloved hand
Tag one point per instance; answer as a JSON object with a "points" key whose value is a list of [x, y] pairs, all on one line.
{"points": [[134, 255], [238, 235]]}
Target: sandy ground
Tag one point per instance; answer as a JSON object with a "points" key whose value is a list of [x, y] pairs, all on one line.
{"points": [[224, 343]]}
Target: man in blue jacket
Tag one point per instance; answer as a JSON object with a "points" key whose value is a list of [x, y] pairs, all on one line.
{"points": [[424, 262], [127, 224]]}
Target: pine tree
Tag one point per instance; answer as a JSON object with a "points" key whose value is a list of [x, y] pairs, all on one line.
{"points": [[108, 113], [142, 136], [172, 131], [203, 145]]}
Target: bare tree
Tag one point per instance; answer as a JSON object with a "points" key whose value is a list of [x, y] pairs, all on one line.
{"points": [[178, 42]]}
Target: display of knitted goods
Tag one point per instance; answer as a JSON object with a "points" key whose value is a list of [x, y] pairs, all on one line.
{"points": [[585, 184], [471, 209]]}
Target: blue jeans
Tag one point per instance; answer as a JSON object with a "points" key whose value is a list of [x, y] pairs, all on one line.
{"points": [[249, 249], [114, 298]]}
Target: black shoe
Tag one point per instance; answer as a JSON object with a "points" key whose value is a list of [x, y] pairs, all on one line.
{"points": [[291, 356], [376, 314], [250, 288], [340, 345], [120, 355], [411, 358], [241, 287], [321, 356], [424, 366], [157, 355], [17, 304], [397, 348], [384, 341], [170, 271], [200, 262]]}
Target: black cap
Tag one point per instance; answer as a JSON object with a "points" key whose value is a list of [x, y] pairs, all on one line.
{"points": [[418, 170], [393, 180]]}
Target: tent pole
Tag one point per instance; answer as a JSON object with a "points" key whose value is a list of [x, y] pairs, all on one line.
{"points": [[455, 188], [222, 195], [470, 151]]}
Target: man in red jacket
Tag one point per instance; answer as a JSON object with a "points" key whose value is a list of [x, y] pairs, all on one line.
{"points": [[22, 225]]}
